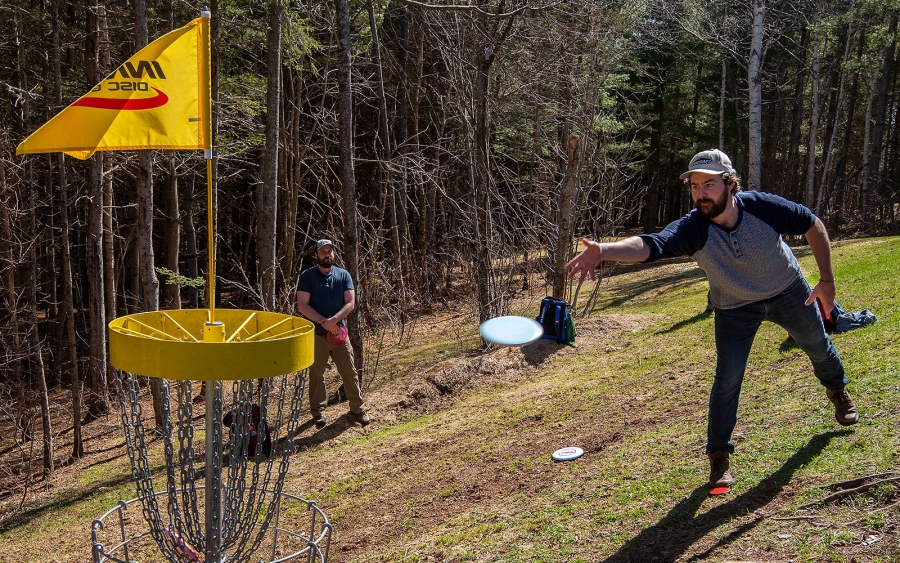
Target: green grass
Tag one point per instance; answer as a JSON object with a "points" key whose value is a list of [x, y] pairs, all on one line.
{"points": [[472, 480]]}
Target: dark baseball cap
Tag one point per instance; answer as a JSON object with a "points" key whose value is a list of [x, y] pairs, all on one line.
{"points": [[712, 161], [323, 242]]}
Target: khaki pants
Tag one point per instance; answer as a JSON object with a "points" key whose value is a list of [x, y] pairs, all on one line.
{"points": [[343, 360]]}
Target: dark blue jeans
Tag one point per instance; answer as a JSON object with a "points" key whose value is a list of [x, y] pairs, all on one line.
{"points": [[735, 330]]}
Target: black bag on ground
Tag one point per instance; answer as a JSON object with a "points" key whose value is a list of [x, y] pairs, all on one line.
{"points": [[556, 320], [257, 429]]}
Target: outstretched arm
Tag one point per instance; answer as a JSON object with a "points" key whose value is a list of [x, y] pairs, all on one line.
{"points": [[817, 237], [632, 249]]}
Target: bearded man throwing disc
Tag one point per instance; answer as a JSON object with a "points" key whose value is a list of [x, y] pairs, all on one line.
{"points": [[735, 237]]}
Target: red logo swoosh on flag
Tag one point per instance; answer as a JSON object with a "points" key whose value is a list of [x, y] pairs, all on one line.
{"points": [[160, 99]]}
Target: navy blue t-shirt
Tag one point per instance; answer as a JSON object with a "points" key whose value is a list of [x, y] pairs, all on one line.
{"points": [[747, 263], [326, 291]]}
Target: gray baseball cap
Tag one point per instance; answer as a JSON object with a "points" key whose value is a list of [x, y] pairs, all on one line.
{"points": [[323, 242], [712, 161]]}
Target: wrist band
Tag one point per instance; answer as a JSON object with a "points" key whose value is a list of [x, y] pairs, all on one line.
{"points": [[826, 281]]}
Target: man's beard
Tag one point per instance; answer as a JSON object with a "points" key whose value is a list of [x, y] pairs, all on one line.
{"points": [[718, 206], [325, 262]]}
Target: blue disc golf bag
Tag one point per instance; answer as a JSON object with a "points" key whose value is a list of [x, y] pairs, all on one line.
{"points": [[556, 320]]}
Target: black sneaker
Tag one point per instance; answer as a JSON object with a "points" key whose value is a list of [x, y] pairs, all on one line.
{"points": [[363, 418], [319, 419], [844, 410], [720, 470]]}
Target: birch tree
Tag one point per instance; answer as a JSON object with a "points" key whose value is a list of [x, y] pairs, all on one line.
{"points": [[724, 26]]}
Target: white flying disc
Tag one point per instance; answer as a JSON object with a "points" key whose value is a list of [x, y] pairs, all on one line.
{"points": [[566, 454], [511, 330]]}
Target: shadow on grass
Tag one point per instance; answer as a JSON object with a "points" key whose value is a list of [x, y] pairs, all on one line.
{"points": [[788, 345], [71, 498], [538, 352], [681, 324], [677, 531], [340, 425], [630, 291]]}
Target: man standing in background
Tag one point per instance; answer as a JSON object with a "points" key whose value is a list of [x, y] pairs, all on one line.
{"points": [[325, 295]]}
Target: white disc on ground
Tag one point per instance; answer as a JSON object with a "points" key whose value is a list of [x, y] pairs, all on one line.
{"points": [[566, 454], [511, 330]]}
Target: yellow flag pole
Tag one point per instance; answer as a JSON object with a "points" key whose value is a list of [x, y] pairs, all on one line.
{"points": [[211, 258], [206, 107]]}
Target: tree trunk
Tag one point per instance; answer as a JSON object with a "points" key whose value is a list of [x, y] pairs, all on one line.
{"points": [[754, 81], [790, 188], [109, 256], [44, 397], [821, 200], [32, 336], [68, 307], [874, 179], [109, 246], [385, 149], [738, 156], [809, 193], [864, 197], [294, 155], [536, 177], [651, 209], [722, 105], [350, 237], [144, 182], [841, 168], [566, 215], [482, 182], [173, 237], [54, 325], [399, 191], [12, 356], [190, 243], [35, 347], [99, 400], [568, 152], [268, 213], [386, 145], [419, 253], [144, 221], [99, 403], [892, 167]]}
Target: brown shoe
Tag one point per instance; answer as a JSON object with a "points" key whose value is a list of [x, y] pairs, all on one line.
{"points": [[363, 418], [720, 470], [319, 419], [844, 410]]}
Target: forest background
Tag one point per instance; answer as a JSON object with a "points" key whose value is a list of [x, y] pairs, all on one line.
{"points": [[446, 148]]}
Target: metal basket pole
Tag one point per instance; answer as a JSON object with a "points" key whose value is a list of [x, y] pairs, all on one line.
{"points": [[214, 472]]}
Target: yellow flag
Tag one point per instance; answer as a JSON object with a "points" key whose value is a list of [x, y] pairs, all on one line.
{"points": [[158, 99]]}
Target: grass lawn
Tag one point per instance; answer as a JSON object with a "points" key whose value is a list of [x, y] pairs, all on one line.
{"points": [[457, 466]]}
